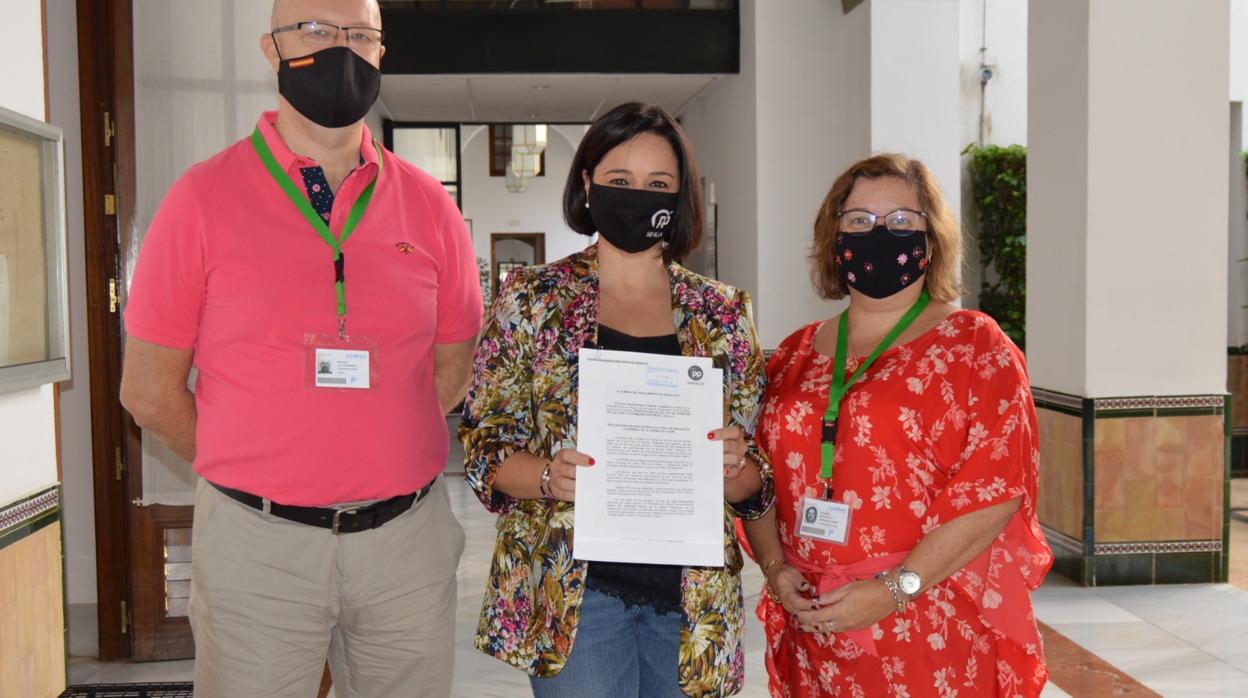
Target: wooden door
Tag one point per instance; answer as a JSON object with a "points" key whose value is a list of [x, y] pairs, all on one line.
{"points": [[142, 552]]}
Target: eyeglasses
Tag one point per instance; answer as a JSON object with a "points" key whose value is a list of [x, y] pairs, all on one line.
{"points": [[901, 222], [318, 35]]}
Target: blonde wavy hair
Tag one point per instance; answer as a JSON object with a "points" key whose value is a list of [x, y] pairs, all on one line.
{"points": [[943, 276]]}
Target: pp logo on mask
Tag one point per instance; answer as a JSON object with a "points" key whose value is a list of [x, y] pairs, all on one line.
{"points": [[661, 218]]}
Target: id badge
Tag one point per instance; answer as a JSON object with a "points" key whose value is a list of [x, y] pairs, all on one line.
{"points": [[340, 363], [824, 520]]}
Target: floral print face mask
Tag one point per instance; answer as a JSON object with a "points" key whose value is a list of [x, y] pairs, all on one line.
{"points": [[880, 262]]}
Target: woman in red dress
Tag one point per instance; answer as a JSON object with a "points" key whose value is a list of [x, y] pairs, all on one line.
{"points": [[903, 545]]}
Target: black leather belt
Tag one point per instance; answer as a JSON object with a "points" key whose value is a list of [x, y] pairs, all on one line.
{"points": [[336, 520]]}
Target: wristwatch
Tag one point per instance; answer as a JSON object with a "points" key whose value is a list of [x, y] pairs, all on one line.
{"points": [[909, 582]]}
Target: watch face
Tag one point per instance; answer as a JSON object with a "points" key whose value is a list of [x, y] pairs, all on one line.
{"points": [[909, 582]]}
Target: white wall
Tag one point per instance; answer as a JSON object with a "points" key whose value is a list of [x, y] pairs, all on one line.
{"points": [[195, 91], [539, 209], [22, 52], [1238, 29], [915, 105], [1118, 303], [1143, 149], [1237, 229], [817, 91], [76, 456], [1005, 99], [805, 139], [27, 418], [721, 128], [1057, 196], [28, 431], [1237, 316], [1003, 30]]}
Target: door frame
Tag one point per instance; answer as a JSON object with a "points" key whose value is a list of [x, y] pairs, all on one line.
{"points": [[106, 85], [537, 240], [129, 569]]}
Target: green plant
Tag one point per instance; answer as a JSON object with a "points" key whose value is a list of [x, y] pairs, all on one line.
{"points": [[999, 187]]}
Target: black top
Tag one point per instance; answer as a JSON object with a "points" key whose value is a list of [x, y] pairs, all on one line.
{"points": [[657, 586]]}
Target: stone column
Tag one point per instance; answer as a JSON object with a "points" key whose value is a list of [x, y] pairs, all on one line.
{"points": [[1128, 124]]}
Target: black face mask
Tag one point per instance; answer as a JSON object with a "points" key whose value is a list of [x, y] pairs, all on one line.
{"points": [[880, 263], [633, 220], [333, 87]]}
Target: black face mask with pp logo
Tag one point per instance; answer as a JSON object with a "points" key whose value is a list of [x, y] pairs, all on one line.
{"points": [[333, 87], [633, 220]]}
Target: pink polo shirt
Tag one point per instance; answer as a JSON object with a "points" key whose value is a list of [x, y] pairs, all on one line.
{"points": [[232, 270]]}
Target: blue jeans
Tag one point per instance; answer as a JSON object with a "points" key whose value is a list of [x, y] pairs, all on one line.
{"points": [[618, 653]]}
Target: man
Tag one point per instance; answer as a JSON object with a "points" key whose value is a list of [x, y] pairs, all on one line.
{"points": [[327, 293]]}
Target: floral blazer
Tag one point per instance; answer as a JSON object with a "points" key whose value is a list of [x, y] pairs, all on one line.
{"points": [[523, 398]]}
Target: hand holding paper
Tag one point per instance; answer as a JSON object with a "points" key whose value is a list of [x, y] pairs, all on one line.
{"points": [[657, 495]]}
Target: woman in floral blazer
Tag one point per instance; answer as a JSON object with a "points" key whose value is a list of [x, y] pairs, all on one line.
{"points": [[521, 410]]}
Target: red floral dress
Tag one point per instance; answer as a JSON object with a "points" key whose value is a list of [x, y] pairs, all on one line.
{"points": [[938, 427]]}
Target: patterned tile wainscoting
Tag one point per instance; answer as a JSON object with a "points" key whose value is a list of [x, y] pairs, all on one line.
{"points": [[32, 610], [1135, 490]]}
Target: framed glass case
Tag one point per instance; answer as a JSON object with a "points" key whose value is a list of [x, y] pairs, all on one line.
{"points": [[34, 309]]}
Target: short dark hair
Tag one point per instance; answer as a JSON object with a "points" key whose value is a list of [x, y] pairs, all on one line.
{"points": [[620, 125]]}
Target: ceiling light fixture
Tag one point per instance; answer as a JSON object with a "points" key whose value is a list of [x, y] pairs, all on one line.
{"points": [[515, 184], [528, 138]]}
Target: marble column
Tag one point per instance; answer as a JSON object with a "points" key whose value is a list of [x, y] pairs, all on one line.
{"points": [[1128, 124]]}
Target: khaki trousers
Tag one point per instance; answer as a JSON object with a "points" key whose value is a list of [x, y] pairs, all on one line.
{"points": [[272, 599]]}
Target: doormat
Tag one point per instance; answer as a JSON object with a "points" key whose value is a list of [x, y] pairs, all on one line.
{"points": [[131, 690]]}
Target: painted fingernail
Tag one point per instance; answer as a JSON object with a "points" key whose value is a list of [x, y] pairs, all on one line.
{"points": [[591, 461], [710, 435]]}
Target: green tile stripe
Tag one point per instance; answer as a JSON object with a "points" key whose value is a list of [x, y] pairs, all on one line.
{"points": [[1056, 538], [1161, 547], [29, 514], [1224, 570], [1130, 406], [1088, 432], [1055, 401], [17, 533], [1159, 405], [1126, 414]]}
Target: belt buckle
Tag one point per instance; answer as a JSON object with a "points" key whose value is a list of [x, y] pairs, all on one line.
{"points": [[338, 517]]}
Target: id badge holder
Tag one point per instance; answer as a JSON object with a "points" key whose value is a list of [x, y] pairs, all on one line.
{"points": [[824, 520], [333, 362]]}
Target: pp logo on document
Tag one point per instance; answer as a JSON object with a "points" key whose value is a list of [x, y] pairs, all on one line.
{"points": [[696, 374]]}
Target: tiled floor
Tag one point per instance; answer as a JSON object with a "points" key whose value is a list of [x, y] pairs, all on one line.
{"points": [[1177, 641]]}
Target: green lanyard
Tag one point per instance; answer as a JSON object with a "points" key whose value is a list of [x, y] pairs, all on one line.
{"points": [[300, 201], [840, 386]]}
